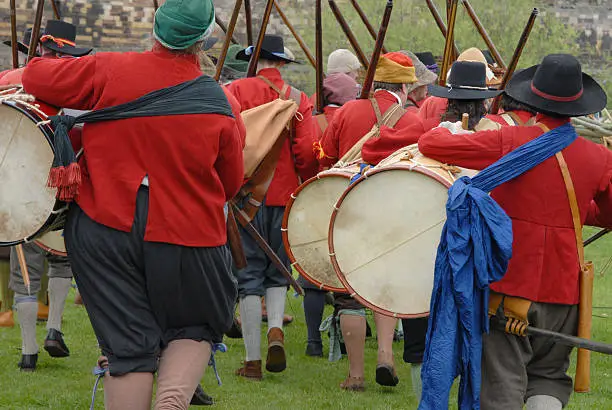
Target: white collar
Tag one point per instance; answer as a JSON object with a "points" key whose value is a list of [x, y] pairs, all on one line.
{"points": [[397, 97]]}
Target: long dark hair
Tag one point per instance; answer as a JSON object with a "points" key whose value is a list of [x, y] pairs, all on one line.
{"points": [[455, 109]]}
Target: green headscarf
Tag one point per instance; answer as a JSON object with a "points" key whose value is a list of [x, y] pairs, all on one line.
{"points": [[182, 23], [232, 62]]}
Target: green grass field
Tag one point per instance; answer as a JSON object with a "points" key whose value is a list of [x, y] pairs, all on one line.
{"points": [[307, 383]]}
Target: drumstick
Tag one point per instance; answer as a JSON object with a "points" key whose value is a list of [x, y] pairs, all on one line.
{"points": [[465, 119], [23, 266]]}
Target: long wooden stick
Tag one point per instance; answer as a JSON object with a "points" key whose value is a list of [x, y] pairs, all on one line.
{"points": [[40, 7], [243, 220], [448, 47], [296, 35], [249, 21], [155, 5], [14, 34], [234, 241], [229, 34], [252, 71], [380, 39], [224, 28], [518, 51], [441, 25], [319, 55], [582, 380], [597, 236], [23, 266], [56, 12], [348, 33], [366, 22], [485, 36]]}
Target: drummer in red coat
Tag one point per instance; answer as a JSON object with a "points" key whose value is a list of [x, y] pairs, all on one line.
{"points": [[543, 273], [394, 73], [296, 163], [146, 236]]}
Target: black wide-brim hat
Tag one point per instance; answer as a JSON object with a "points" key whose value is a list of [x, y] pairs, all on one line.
{"points": [[60, 37], [467, 81], [272, 49], [558, 86], [23, 46]]}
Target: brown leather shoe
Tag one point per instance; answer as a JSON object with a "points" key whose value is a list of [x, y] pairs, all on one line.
{"points": [[250, 370], [353, 383], [6, 319], [78, 299], [276, 361]]}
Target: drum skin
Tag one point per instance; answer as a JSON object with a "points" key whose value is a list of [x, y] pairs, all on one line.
{"points": [[306, 225], [52, 242], [26, 155], [384, 234]]}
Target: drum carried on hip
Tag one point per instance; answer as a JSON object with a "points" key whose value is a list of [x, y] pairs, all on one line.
{"points": [[306, 225], [385, 229], [52, 242], [28, 207]]}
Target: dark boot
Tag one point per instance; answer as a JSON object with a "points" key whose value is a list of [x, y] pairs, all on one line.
{"points": [[314, 349], [236, 331], [200, 398], [276, 361], [250, 370], [386, 376], [28, 362], [54, 344]]}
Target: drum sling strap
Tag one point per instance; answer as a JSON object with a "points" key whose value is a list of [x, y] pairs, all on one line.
{"points": [[252, 193], [390, 119]]}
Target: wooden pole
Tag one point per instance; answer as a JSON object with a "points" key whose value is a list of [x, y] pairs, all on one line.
{"points": [[297, 37], [319, 55], [441, 25], [36, 29], [365, 20], [380, 39], [249, 21], [448, 47], [224, 28], [23, 266], [56, 12], [485, 36], [252, 71], [14, 51], [518, 51], [155, 5], [229, 34], [349, 34]]}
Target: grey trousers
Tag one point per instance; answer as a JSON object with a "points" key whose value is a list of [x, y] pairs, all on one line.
{"points": [[515, 368], [59, 267]]}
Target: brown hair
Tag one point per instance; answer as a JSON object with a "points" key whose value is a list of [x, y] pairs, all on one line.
{"points": [[476, 109]]}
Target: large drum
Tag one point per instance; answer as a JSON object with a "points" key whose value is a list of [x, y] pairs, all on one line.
{"points": [[52, 242], [385, 229], [306, 225], [26, 154]]}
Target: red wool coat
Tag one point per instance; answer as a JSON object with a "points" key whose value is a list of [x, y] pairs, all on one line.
{"points": [[544, 265], [433, 108], [524, 116], [354, 120], [253, 92], [194, 162]]}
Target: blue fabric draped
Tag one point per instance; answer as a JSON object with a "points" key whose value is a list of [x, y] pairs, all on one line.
{"points": [[474, 251]]}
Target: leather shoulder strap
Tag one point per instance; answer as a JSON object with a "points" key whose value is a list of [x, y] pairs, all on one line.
{"points": [[377, 112], [517, 120], [573, 202], [393, 115]]}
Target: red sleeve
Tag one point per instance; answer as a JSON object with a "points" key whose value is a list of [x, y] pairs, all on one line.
{"points": [[600, 211], [475, 151], [303, 142], [329, 144], [62, 82], [230, 163], [236, 110]]}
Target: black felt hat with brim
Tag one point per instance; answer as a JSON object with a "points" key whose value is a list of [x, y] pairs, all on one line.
{"points": [[558, 86], [23, 46], [272, 49], [467, 81], [60, 36]]}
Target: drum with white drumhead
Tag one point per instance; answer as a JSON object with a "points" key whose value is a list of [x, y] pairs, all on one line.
{"points": [[385, 229], [27, 205], [52, 242], [306, 225]]}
